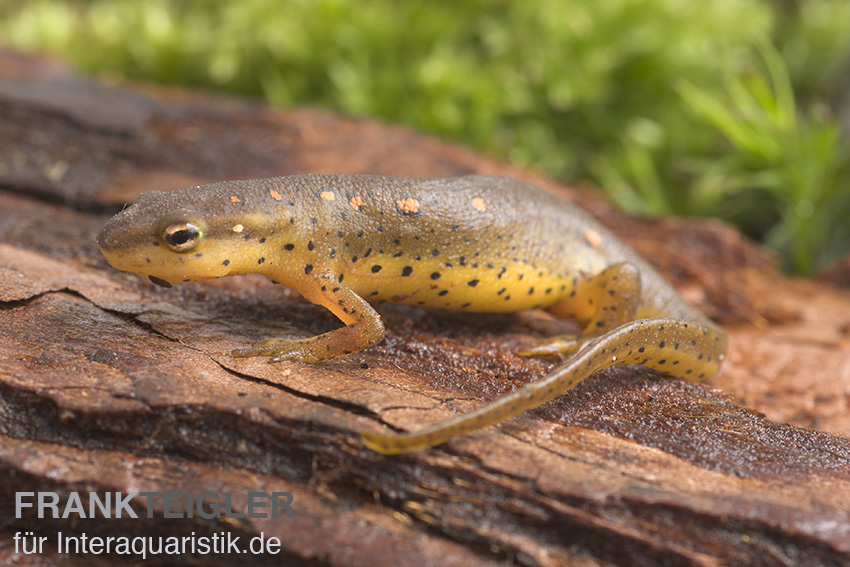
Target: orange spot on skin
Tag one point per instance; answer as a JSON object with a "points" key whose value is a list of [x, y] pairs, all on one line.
{"points": [[479, 204], [327, 195], [593, 238], [356, 202], [408, 206], [234, 199], [275, 195]]}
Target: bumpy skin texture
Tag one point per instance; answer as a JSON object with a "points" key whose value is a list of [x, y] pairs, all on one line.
{"points": [[474, 243]]}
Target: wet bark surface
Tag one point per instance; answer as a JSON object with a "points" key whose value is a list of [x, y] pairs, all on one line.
{"points": [[108, 384]]}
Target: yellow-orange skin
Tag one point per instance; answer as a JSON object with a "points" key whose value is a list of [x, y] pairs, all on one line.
{"points": [[474, 243]]}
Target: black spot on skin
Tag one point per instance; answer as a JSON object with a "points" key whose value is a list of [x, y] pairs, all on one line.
{"points": [[159, 282], [374, 293], [334, 290], [199, 255], [310, 245], [263, 240], [641, 349], [312, 220], [435, 252], [380, 228], [292, 220], [397, 242], [501, 291], [340, 277], [465, 305], [444, 292], [548, 290], [324, 288], [226, 263], [376, 268], [261, 260], [366, 254], [309, 268], [289, 247], [472, 283], [360, 234], [406, 271], [339, 233], [530, 290], [354, 259], [435, 275], [661, 344], [398, 254]]}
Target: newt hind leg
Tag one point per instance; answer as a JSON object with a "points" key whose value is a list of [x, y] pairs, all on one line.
{"points": [[601, 303]]}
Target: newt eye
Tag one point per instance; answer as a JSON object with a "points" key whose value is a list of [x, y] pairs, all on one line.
{"points": [[182, 236]]}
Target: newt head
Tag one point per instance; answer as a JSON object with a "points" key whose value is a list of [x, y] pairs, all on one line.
{"points": [[188, 235]]}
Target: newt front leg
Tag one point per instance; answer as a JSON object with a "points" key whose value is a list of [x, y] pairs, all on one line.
{"points": [[363, 326]]}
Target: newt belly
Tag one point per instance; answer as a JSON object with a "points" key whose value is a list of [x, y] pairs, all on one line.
{"points": [[474, 243]]}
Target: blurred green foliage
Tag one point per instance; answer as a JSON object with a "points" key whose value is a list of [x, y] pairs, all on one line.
{"points": [[672, 106]]}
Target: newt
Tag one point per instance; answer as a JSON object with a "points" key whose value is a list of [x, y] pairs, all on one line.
{"points": [[475, 243]]}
